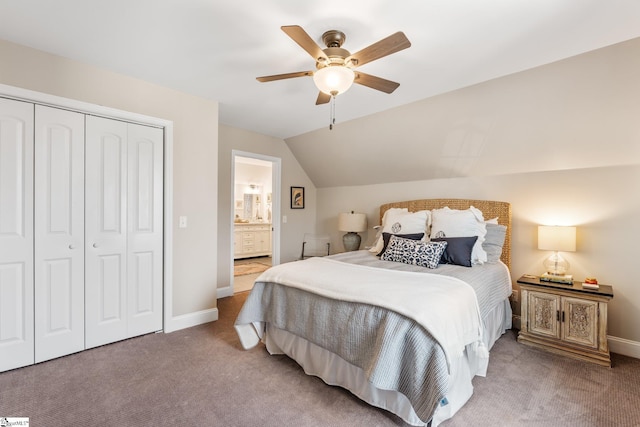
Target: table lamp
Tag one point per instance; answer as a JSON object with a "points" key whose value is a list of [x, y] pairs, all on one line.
{"points": [[556, 239], [352, 223]]}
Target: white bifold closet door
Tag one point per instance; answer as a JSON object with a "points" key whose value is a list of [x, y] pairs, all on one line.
{"points": [[59, 232], [123, 230], [16, 234]]}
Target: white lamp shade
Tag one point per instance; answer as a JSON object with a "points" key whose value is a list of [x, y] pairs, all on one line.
{"points": [[333, 80], [556, 238], [354, 222]]}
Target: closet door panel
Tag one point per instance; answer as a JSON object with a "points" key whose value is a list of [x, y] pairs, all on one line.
{"points": [[145, 204], [16, 234], [106, 231], [110, 287], [59, 232]]}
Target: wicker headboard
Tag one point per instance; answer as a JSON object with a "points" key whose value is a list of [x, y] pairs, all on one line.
{"points": [[490, 209]]}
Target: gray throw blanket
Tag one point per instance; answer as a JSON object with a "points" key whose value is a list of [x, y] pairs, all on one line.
{"points": [[395, 352]]}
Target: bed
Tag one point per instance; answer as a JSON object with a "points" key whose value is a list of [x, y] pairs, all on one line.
{"points": [[403, 337]]}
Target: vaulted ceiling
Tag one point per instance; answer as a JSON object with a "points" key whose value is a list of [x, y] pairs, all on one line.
{"points": [[215, 49]]}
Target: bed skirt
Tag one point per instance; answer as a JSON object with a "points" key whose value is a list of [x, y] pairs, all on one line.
{"points": [[334, 370]]}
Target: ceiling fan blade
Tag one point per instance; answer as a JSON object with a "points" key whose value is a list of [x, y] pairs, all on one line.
{"points": [[284, 76], [374, 82], [323, 98], [301, 37], [392, 44]]}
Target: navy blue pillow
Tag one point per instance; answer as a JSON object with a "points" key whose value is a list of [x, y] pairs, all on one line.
{"points": [[387, 236], [458, 250]]}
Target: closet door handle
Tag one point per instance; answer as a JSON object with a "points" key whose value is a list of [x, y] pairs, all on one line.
{"points": [[95, 245], [72, 246]]}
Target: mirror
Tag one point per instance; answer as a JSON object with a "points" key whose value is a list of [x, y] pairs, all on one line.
{"points": [[252, 204]]}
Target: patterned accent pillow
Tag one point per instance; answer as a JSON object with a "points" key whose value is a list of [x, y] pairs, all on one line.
{"points": [[387, 236], [414, 252]]}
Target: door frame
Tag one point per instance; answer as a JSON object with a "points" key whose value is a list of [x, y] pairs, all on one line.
{"points": [[276, 179], [170, 324]]}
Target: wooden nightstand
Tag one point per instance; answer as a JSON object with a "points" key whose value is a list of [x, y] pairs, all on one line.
{"points": [[565, 319]]}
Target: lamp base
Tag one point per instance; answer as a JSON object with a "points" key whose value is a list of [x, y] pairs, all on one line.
{"points": [[556, 265], [351, 241]]}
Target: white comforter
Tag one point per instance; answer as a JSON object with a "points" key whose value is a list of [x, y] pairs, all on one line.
{"points": [[445, 306]]}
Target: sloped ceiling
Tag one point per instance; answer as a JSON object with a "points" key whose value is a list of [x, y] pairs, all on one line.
{"points": [[215, 48], [581, 112]]}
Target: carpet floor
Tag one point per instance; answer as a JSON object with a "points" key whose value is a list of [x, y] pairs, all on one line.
{"points": [[200, 376]]}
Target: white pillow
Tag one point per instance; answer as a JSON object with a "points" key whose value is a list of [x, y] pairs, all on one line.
{"points": [[378, 244], [448, 222], [405, 223]]}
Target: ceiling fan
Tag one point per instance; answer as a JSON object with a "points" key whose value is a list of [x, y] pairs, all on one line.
{"points": [[335, 66]]}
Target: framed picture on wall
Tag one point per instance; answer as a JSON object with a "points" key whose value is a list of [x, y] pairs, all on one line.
{"points": [[297, 197]]}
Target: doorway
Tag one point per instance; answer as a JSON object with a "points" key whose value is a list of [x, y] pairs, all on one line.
{"points": [[255, 217]]}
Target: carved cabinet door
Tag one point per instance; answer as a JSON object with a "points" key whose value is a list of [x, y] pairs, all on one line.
{"points": [[543, 314], [580, 325]]}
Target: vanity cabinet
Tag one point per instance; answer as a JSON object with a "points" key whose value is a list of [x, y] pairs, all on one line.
{"points": [[251, 240]]}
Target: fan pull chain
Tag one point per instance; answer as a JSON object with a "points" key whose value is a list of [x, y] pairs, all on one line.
{"points": [[332, 109]]}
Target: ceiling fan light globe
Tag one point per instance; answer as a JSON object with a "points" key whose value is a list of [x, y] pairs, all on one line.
{"points": [[333, 80]]}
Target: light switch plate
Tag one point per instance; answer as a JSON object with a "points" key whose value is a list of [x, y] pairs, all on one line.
{"points": [[182, 223]]}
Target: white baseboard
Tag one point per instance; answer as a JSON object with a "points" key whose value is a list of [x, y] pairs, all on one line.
{"points": [[624, 347], [227, 291], [192, 319]]}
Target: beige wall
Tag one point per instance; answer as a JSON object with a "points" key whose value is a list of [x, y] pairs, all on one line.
{"points": [[299, 221], [195, 147]]}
